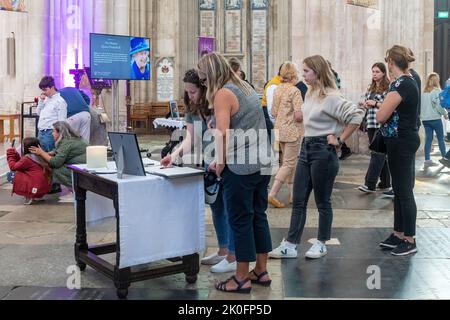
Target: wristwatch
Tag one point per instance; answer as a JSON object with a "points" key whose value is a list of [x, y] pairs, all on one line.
{"points": [[340, 141]]}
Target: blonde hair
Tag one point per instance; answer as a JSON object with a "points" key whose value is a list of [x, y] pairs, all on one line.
{"points": [[217, 71], [325, 77], [401, 56], [289, 72], [433, 82]]}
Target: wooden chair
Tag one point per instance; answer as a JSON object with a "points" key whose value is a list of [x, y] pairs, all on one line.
{"points": [[140, 113], [11, 118]]}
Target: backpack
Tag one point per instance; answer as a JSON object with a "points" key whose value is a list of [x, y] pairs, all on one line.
{"points": [[444, 96]]}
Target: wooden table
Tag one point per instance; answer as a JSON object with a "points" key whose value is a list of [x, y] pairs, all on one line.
{"points": [[90, 255], [11, 118]]}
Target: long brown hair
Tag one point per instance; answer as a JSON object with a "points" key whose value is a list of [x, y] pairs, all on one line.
{"points": [[27, 143], [325, 77], [202, 107], [433, 82], [217, 72], [384, 84]]}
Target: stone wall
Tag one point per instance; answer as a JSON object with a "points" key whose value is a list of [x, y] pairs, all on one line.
{"points": [[354, 38], [351, 37]]}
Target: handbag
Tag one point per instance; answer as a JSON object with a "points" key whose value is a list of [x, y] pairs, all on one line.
{"points": [[363, 125], [377, 144]]}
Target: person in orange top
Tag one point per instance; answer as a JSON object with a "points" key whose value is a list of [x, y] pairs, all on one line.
{"points": [[267, 100], [286, 109]]}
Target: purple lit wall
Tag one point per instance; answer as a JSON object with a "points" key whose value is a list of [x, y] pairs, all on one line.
{"points": [[68, 26]]}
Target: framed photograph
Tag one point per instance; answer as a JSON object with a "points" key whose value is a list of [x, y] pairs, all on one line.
{"points": [[174, 111]]}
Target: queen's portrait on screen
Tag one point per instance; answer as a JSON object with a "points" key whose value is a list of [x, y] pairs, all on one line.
{"points": [[140, 59]]}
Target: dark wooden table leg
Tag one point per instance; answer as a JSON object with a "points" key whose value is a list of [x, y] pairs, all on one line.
{"points": [[122, 277], [81, 241], [122, 281], [192, 265]]}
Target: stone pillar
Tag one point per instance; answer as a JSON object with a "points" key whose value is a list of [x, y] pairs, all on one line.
{"points": [[187, 48], [118, 24], [141, 25], [166, 44], [281, 18]]}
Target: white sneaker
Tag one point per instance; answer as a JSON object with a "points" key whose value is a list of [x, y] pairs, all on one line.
{"points": [[224, 266], [430, 163], [68, 198], [212, 259], [318, 250], [284, 251], [365, 189]]}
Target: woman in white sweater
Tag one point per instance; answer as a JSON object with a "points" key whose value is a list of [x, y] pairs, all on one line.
{"points": [[329, 120], [431, 116]]}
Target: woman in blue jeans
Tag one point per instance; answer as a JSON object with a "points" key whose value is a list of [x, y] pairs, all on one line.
{"points": [[399, 116], [241, 141], [197, 116], [329, 121], [431, 116]]}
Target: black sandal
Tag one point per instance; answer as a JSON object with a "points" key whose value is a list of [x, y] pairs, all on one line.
{"points": [[266, 283], [222, 286]]}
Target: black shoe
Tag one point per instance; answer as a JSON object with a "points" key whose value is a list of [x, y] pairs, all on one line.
{"points": [[404, 249], [384, 188], [445, 162], [56, 188], [392, 242]]}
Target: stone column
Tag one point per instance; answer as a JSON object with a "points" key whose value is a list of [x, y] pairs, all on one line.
{"points": [[119, 24], [141, 24], [167, 36], [281, 19], [187, 48]]}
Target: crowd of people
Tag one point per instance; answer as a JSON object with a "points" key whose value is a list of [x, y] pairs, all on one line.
{"points": [[312, 122]]}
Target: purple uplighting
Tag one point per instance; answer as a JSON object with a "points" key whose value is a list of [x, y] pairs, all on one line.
{"points": [[68, 25]]}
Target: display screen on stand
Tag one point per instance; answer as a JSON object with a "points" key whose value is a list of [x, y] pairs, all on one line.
{"points": [[119, 57]]}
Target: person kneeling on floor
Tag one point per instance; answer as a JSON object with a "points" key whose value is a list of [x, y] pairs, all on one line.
{"points": [[32, 178], [70, 149]]}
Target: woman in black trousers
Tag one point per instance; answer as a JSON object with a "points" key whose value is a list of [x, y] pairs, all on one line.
{"points": [[399, 115]]}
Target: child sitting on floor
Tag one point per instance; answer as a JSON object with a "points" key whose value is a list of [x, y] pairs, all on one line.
{"points": [[32, 178]]}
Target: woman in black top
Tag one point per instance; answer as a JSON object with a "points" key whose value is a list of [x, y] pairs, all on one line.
{"points": [[399, 118]]}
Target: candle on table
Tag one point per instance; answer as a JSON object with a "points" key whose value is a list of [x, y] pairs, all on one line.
{"points": [[96, 157]]}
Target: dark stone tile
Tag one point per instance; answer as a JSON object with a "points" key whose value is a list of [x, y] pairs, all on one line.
{"points": [[347, 197], [3, 213], [39, 293], [4, 292], [344, 272]]}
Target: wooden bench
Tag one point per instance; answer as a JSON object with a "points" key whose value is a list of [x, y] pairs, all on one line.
{"points": [[11, 118], [140, 113], [148, 112]]}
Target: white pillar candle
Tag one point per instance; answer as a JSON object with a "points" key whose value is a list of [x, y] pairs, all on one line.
{"points": [[96, 157]]}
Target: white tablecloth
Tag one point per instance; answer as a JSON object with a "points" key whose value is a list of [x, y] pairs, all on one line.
{"points": [[159, 218], [169, 123]]}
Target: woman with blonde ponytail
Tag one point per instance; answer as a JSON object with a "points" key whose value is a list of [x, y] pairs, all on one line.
{"points": [[241, 137]]}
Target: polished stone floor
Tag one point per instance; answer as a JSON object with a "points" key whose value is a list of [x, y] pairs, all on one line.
{"points": [[36, 248]]}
